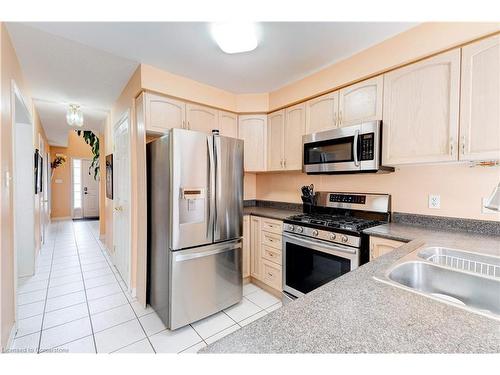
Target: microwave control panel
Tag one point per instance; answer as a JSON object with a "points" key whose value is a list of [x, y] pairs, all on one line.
{"points": [[367, 146]]}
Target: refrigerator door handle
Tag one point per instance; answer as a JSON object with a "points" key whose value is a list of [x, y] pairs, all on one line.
{"points": [[211, 185], [218, 182]]}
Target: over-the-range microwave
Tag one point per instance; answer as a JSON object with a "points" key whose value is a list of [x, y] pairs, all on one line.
{"points": [[351, 149]]}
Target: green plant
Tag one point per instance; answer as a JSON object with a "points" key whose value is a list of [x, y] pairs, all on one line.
{"points": [[93, 141]]}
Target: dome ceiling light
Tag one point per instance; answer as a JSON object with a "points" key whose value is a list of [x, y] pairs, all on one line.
{"points": [[235, 37]]}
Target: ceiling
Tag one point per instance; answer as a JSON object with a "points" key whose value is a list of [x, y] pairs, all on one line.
{"points": [[89, 63]]}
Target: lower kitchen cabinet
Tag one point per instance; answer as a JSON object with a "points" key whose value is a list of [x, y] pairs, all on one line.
{"points": [[246, 246], [263, 238], [255, 266], [380, 246]]}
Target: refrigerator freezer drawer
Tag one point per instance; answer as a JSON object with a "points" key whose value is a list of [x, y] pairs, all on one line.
{"points": [[204, 281]]}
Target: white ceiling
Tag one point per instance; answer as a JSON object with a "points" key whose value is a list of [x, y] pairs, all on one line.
{"points": [[89, 62]]}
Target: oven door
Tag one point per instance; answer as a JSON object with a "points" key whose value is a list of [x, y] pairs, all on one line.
{"points": [[310, 263]]}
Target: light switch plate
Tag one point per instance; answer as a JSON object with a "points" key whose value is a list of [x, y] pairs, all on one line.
{"points": [[59, 181], [434, 201]]}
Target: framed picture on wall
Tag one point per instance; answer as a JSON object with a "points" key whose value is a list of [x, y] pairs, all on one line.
{"points": [[37, 167], [109, 176], [40, 173]]}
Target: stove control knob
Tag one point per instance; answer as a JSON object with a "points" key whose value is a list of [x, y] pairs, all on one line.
{"points": [[333, 236], [290, 227], [315, 233], [344, 239], [300, 229]]}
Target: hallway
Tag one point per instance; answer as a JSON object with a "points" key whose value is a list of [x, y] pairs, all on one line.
{"points": [[78, 303]]}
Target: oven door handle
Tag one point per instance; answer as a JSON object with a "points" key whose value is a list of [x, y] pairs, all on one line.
{"points": [[336, 248]]}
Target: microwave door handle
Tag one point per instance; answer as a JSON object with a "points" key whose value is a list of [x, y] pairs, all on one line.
{"points": [[355, 148]]}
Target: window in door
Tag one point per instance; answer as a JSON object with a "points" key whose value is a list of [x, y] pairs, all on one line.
{"points": [[77, 188]]}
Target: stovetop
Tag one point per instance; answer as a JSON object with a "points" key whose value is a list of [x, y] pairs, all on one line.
{"points": [[330, 222]]}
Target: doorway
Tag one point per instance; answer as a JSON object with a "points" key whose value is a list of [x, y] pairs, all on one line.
{"points": [[85, 190], [121, 198]]}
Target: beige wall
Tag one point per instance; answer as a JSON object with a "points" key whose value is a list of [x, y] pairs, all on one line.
{"points": [[61, 193], [9, 70], [250, 186], [461, 188], [416, 43]]}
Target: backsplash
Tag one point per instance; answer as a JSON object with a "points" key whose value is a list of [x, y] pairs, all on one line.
{"points": [[460, 187]]}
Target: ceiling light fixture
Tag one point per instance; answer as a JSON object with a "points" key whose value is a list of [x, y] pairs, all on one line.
{"points": [[74, 116], [235, 37]]}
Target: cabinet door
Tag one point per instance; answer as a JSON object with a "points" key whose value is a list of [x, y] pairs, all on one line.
{"points": [[255, 246], [420, 111], [480, 100], [228, 124], [380, 246], [164, 113], [252, 130], [200, 118], [295, 128], [246, 246], [361, 102], [275, 127], [322, 113]]}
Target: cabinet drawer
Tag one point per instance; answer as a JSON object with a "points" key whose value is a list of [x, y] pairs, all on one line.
{"points": [[270, 225], [271, 254], [271, 274], [271, 239]]}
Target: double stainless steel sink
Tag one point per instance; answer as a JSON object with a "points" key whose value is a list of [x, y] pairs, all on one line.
{"points": [[461, 278]]}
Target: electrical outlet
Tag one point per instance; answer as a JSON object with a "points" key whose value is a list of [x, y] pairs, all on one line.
{"points": [[434, 201]]}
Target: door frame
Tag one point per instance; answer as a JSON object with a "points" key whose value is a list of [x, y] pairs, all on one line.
{"points": [[16, 94], [126, 116]]}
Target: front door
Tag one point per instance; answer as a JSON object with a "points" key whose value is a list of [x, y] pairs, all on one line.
{"points": [[90, 185], [121, 198]]}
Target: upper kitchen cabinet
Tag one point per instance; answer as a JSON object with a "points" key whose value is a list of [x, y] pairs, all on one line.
{"points": [[201, 118], [361, 102], [420, 111], [228, 124], [295, 128], [163, 113], [480, 100], [252, 129], [275, 129], [322, 113]]}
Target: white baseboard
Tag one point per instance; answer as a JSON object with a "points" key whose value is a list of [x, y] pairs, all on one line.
{"points": [[61, 218]]}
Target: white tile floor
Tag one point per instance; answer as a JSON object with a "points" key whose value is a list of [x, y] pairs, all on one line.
{"points": [[77, 302]]}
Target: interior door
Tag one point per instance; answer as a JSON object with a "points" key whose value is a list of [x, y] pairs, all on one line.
{"points": [[229, 188], [193, 189], [90, 191], [121, 198]]}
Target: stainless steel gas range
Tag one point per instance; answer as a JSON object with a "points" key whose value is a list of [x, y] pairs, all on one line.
{"points": [[328, 242]]}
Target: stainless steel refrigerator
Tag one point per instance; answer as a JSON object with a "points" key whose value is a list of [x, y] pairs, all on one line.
{"points": [[195, 224]]}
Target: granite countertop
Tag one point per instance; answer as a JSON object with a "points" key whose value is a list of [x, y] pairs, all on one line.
{"points": [[357, 314], [270, 212]]}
